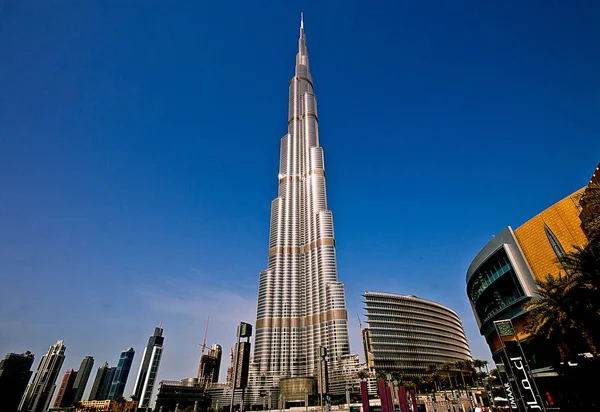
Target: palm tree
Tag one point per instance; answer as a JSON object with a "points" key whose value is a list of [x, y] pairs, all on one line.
{"points": [[557, 314], [417, 381], [362, 374], [433, 375], [447, 367], [479, 364], [461, 366], [591, 210]]}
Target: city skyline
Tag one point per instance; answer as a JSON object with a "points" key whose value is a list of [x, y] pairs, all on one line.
{"points": [[119, 160]]}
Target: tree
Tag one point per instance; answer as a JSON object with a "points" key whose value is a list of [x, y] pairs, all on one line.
{"points": [[461, 366], [417, 381], [479, 364], [447, 367], [590, 201], [362, 374], [560, 313], [433, 375]]}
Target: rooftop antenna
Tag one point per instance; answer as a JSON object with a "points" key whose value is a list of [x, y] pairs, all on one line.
{"points": [[301, 20]]}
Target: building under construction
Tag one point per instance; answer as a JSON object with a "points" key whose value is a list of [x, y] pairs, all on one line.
{"points": [[210, 364]]}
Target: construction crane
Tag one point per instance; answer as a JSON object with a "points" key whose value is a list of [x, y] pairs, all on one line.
{"points": [[205, 333], [203, 345]]}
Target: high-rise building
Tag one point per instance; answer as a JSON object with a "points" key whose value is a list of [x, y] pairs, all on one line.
{"points": [[83, 374], [107, 383], [208, 372], [406, 334], [15, 371], [144, 384], [301, 304], [104, 374], [40, 390], [66, 390], [117, 386]]}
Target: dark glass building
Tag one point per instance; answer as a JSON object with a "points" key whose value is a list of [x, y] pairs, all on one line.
{"points": [[105, 388], [96, 392], [15, 371], [83, 374], [117, 386], [144, 384]]}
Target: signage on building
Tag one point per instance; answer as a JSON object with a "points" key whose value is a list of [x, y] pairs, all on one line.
{"points": [[520, 387]]}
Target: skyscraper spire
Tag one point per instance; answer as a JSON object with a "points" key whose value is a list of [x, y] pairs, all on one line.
{"points": [[301, 304]]}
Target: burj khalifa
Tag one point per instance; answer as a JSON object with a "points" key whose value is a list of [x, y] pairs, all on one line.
{"points": [[301, 304]]}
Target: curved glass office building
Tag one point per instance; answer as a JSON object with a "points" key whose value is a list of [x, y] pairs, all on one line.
{"points": [[407, 333]]}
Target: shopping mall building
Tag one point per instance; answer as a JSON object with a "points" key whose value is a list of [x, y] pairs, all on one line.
{"points": [[502, 278]]}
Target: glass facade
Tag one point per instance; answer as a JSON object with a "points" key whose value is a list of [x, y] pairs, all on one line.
{"points": [[494, 287]]}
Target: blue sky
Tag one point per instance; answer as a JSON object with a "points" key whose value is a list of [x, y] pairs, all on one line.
{"points": [[139, 154]]}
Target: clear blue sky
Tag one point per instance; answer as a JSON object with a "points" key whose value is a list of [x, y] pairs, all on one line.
{"points": [[139, 153]]}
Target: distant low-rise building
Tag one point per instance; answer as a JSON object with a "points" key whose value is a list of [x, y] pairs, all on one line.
{"points": [[107, 405], [185, 393]]}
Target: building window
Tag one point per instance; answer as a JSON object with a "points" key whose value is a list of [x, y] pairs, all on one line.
{"points": [[556, 246]]}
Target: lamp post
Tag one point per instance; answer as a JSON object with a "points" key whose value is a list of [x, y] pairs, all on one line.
{"points": [[322, 374], [306, 399], [348, 395]]}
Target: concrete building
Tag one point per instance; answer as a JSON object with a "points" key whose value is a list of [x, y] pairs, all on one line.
{"points": [[66, 392], [40, 390], [210, 364], [107, 405], [83, 375], [15, 372], [117, 386], [146, 378], [406, 334], [301, 303], [186, 393]]}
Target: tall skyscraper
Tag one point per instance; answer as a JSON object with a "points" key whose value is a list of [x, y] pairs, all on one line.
{"points": [[83, 374], [41, 388], [66, 390], [15, 371], [117, 386], [301, 303], [144, 384], [104, 374]]}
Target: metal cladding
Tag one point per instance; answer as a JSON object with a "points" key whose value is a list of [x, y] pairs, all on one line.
{"points": [[407, 333], [144, 384], [301, 303], [40, 390]]}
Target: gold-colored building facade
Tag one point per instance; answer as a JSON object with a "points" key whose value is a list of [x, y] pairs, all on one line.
{"points": [[562, 219]]}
